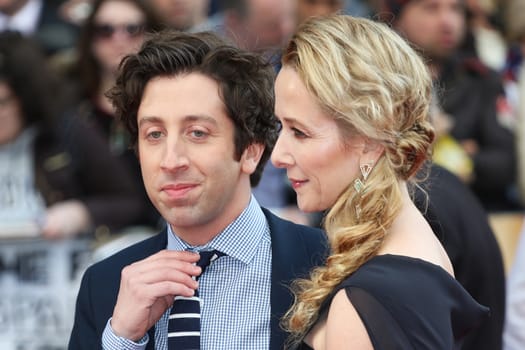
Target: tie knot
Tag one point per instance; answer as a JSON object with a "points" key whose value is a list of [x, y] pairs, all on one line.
{"points": [[207, 257]]}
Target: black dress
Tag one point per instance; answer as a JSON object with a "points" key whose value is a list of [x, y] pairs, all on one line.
{"points": [[462, 226], [408, 303]]}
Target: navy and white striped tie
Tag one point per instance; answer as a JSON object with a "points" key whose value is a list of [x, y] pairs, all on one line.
{"points": [[184, 322]]}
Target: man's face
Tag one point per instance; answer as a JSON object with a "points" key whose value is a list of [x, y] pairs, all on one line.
{"points": [[181, 14], [269, 24], [186, 151], [309, 8], [434, 26]]}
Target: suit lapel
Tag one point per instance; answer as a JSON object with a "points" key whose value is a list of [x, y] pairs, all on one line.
{"points": [[294, 253], [281, 298]]}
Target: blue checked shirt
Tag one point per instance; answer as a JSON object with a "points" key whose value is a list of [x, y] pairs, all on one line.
{"points": [[235, 289]]}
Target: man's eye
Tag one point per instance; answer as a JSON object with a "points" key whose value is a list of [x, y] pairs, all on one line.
{"points": [[198, 133], [154, 135]]}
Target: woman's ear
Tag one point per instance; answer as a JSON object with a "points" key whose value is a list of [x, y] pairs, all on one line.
{"points": [[373, 150], [250, 157]]}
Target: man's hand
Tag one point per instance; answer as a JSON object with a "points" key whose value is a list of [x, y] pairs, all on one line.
{"points": [[147, 290]]}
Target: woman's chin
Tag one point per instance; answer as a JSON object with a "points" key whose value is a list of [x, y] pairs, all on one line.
{"points": [[310, 207]]}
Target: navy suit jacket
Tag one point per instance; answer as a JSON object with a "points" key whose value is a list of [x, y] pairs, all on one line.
{"points": [[296, 250]]}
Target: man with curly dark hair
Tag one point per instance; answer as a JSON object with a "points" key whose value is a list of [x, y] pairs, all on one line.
{"points": [[200, 112]]}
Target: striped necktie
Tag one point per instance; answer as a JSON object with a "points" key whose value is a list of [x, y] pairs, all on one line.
{"points": [[184, 322]]}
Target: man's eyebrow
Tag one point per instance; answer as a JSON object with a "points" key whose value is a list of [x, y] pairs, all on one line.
{"points": [[186, 119], [145, 120], [200, 117]]}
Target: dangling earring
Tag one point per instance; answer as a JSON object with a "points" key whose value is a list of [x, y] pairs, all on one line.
{"points": [[366, 169], [359, 185]]}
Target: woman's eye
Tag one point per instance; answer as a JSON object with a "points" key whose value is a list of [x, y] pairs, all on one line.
{"points": [[298, 133]]}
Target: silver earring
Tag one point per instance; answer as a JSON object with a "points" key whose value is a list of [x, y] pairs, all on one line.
{"points": [[358, 185], [366, 169]]}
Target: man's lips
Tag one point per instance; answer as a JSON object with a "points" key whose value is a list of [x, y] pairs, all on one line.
{"points": [[177, 190]]}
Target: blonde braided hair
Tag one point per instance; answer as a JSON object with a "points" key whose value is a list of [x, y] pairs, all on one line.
{"points": [[375, 85]]}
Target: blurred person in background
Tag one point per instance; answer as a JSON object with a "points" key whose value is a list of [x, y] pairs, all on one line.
{"points": [[514, 78], [113, 29], [468, 92], [55, 172], [40, 19], [311, 8], [361, 8], [514, 335], [255, 25], [484, 34], [181, 14]]}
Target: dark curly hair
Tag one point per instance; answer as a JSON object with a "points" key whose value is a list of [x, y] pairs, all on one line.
{"points": [[245, 81]]}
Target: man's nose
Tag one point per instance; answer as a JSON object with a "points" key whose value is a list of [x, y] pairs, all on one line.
{"points": [[175, 155]]}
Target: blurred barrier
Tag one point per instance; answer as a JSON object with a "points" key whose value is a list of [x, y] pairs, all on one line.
{"points": [[39, 280], [507, 228]]}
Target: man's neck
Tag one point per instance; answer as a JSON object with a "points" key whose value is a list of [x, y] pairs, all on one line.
{"points": [[205, 232]]}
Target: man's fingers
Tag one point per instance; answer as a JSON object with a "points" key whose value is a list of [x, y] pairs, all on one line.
{"points": [[182, 255], [149, 275]]}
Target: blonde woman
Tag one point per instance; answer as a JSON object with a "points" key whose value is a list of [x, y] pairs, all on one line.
{"points": [[353, 99]]}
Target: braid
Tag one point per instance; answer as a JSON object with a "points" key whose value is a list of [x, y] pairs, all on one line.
{"points": [[353, 242]]}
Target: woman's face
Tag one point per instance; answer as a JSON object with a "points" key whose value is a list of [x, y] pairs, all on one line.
{"points": [[318, 164], [11, 118], [119, 31]]}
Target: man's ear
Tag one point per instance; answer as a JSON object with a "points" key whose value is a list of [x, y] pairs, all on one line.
{"points": [[251, 156]]}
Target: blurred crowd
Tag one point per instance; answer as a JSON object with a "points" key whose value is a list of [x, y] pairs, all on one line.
{"points": [[66, 168]]}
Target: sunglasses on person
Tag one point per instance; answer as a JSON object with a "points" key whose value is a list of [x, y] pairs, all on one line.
{"points": [[106, 31]]}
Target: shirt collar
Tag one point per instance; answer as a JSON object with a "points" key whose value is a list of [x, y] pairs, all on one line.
{"points": [[239, 240]]}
